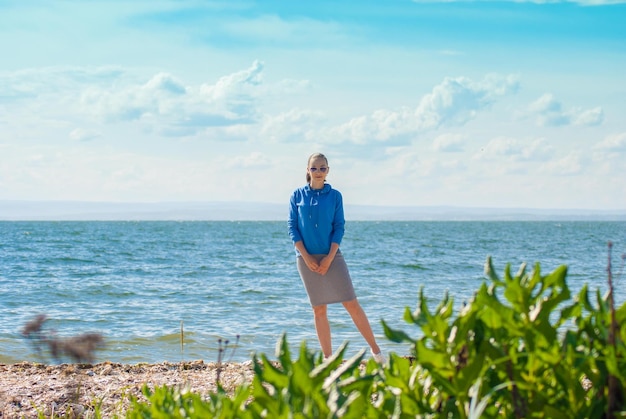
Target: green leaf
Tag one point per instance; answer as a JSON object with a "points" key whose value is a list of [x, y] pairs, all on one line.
{"points": [[271, 374], [397, 336], [347, 366], [283, 354], [490, 272]]}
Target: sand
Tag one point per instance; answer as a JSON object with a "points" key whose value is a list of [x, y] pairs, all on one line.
{"points": [[28, 389]]}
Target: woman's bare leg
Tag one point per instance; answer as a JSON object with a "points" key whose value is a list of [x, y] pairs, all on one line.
{"points": [[322, 327], [362, 323]]}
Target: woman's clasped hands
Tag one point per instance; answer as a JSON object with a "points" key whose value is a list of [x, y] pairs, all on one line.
{"points": [[320, 267]]}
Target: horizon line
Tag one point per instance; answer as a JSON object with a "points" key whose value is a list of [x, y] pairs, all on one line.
{"points": [[267, 211], [269, 203]]}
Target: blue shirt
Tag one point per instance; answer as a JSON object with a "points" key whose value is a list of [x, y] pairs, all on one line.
{"points": [[316, 217]]}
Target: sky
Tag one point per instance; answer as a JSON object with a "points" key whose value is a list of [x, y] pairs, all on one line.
{"points": [[415, 103]]}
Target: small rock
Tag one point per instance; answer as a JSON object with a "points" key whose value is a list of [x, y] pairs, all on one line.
{"points": [[76, 410]]}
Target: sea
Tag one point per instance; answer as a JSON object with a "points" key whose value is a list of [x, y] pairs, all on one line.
{"points": [[177, 291]]}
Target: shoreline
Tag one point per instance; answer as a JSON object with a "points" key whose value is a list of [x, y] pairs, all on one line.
{"points": [[28, 389]]}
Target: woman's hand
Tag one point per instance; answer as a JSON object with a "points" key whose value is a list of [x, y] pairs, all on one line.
{"points": [[309, 260], [324, 264], [311, 263]]}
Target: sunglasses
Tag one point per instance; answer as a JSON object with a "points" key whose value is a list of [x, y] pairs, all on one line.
{"points": [[315, 169]]}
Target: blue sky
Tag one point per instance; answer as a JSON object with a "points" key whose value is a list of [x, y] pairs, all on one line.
{"points": [[462, 103]]}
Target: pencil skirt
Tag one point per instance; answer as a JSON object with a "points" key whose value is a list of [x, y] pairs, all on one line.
{"points": [[334, 287]]}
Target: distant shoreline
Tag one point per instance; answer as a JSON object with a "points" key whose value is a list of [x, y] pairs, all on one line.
{"points": [[256, 211]]}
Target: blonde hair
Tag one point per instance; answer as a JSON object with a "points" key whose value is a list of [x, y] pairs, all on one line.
{"points": [[314, 156]]}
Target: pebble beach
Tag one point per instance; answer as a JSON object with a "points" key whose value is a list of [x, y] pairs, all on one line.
{"points": [[28, 390]]}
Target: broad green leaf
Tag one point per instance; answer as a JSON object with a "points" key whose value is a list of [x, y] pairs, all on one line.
{"points": [[397, 336]]}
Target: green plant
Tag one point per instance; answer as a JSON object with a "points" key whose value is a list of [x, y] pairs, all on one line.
{"points": [[177, 403], [310, 387], [306, 387], [511, 343]]}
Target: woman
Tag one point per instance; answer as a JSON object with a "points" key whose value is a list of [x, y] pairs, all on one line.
{"points": [[316, 226]]}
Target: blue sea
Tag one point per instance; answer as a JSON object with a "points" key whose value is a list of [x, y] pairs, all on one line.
{"points": [[138, 283]]}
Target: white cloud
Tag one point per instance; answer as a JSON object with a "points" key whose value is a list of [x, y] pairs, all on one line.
{"points": [[549, 112], [453, 102], [588, 117], [161, 103], [613, 143], [567, 165], [293, 125], [234, 86], [114, 175], [167, 84], [229, 101], [382, 125], [598, 2], [80, 134], [35, 82], [260, 132], [448, 143], [457, 100], [254, 160], [513, 149]]}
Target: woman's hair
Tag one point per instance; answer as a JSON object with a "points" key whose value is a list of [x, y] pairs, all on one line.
{"points": [[314, 156]]}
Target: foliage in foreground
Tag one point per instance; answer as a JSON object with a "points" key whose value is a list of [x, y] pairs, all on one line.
{"points": [[522, 347], [307, 387]]}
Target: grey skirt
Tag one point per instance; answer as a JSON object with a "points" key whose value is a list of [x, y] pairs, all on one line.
{"points": [[334, 287]]}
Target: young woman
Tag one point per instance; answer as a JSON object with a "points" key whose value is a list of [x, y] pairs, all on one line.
{"points": [[316, 226]]}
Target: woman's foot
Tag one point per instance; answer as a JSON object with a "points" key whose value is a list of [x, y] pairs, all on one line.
{"points": [[379, 357]]}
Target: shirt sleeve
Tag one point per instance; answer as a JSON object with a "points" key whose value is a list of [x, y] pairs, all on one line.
{"points": [[338, 220], [292, 222]]}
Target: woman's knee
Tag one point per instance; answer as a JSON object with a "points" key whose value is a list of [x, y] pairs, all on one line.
{"points": [[351, 305], [320, 311]]}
